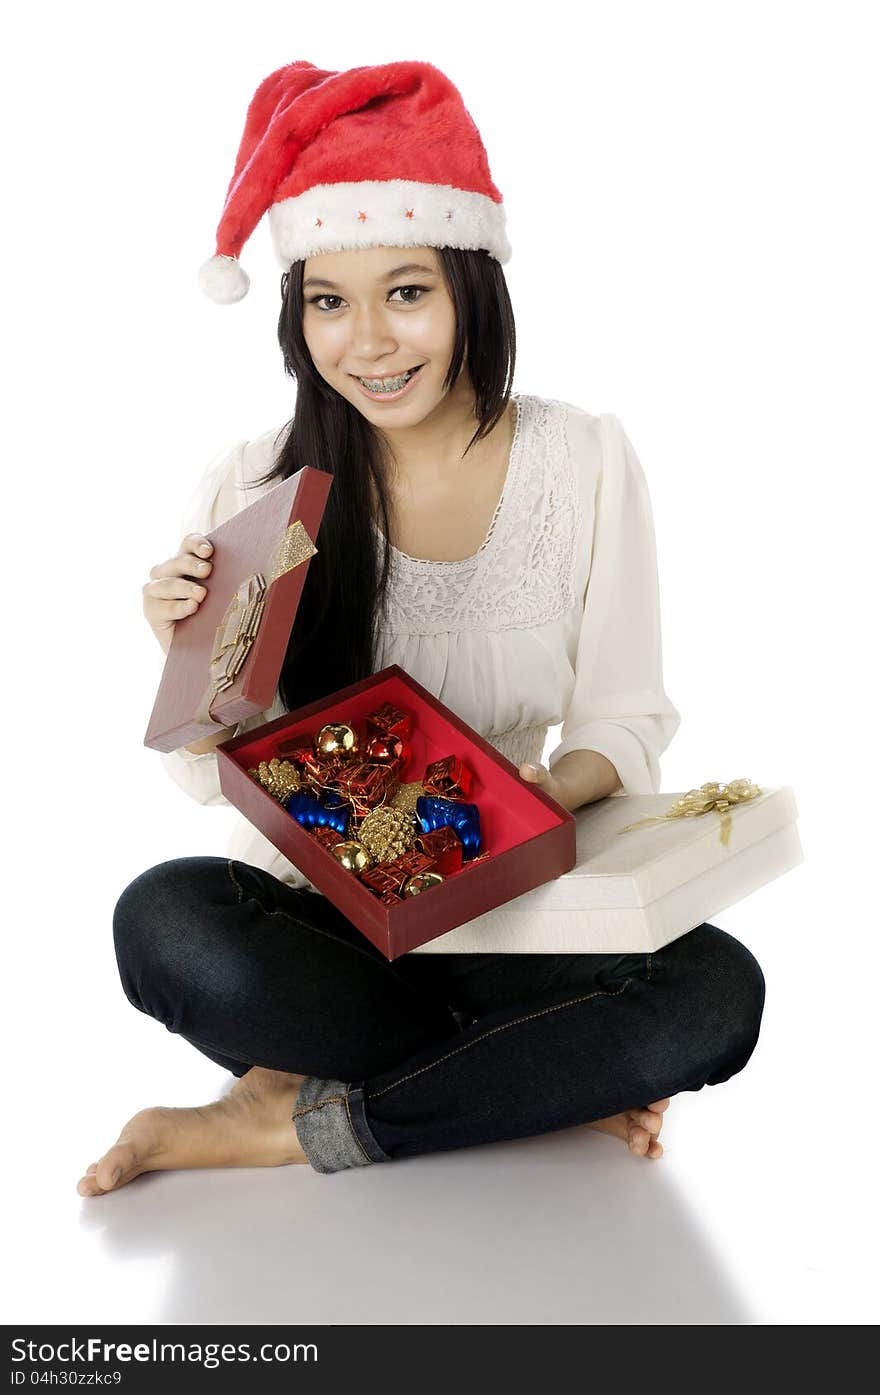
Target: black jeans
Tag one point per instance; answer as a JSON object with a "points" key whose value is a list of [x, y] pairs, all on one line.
{"points": [[431, 1051]]}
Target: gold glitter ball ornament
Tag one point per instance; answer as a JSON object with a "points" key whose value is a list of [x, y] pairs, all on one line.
{"points": [[422, 881], [387, 833], [336, 739], [352, 856], [406, 795]]}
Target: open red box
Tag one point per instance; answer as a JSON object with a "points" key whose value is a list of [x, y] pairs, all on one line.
{"points": [[529, 836], [264, 551]]}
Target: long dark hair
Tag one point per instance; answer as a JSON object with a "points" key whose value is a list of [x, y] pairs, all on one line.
{"points": [[333, 639]]}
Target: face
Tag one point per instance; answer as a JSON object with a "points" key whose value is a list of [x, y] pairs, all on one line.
{"points": [[364, 318]]}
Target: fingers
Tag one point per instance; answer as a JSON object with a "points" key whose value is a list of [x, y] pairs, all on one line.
{"points": [[176, 588], [193, 559], [188, 568], [197, 543], [534, 772], [170, 600]]}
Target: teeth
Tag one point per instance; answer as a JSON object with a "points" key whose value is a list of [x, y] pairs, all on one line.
{"points": [[386, 384]]}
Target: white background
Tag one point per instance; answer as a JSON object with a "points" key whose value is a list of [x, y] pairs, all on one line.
{"points": [[691, 194]]}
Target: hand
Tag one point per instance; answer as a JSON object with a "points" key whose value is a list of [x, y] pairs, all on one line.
{"points": [[174, 593], [540, 775]]}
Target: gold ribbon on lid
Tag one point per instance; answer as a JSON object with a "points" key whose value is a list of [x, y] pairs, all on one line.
{"points": [[294, 547], [710, 796], [238, 629]]}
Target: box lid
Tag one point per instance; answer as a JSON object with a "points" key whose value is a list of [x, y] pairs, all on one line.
{"points": [[225, 659]]}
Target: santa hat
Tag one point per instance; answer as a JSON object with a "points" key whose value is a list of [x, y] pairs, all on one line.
{"points": [[376, 156]]}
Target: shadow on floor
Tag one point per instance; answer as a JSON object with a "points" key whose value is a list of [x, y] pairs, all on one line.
{"points": [[566, 1228]]}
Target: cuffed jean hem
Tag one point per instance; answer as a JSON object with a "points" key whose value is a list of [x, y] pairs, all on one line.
{"points": [[332, 1128]]}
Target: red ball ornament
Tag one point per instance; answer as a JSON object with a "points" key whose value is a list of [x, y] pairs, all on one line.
{"points": [[387, 747]]}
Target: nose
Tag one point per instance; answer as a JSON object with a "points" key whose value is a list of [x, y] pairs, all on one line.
{"points": [[370, 340]]}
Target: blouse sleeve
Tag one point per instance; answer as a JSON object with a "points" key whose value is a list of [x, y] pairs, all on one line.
{"points": [[618, 705], [215, 499]]}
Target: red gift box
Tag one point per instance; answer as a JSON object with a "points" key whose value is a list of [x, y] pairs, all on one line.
{"points": [[527, 837]]}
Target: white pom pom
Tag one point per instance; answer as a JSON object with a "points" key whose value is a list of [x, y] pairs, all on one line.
{"points": [[223, 279]]}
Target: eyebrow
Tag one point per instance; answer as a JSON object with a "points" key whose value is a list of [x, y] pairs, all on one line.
{"points": [[389, 275]]}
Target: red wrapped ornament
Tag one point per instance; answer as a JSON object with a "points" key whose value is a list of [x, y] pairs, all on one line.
{"points": [[448, 778], [383, 877], [390, 898], [444, 847], [319, 771], [367, 783], [414, 862], [296, 749], [388, 720], [326, 836]]}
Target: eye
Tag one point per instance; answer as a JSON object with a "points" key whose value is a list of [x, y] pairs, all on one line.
{"points": [[328, 309], [420, 291], [313, 300]]}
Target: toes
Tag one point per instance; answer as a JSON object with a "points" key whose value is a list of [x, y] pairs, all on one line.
{"points": [[639, 1139], [112, 1167], [87, 1186], [107, 1173], [642, 1144], [648, 1120]]}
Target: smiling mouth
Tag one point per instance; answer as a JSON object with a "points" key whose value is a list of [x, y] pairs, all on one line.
{"points": [[387, 384]]}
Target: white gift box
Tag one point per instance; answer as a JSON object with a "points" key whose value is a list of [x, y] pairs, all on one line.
{"points": [[636, 891]]}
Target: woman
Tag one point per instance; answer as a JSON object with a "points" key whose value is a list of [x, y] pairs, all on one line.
{"points": [[500, 548]]}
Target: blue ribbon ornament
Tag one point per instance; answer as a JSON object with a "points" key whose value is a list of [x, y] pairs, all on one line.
{"points": [[332, 811], [434, 812]]}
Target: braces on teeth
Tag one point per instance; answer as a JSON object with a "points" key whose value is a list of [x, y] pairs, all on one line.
{"points": [[388, 384]]}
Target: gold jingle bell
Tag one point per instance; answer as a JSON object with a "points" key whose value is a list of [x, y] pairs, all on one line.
{"points": [[421, 882], [352, 856], [336, 739]]}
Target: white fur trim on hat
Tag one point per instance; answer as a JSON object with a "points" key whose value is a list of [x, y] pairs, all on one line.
{"points": [[385, 213]]}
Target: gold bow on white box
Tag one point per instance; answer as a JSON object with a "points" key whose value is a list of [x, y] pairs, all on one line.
{"points": [[710, 796]]}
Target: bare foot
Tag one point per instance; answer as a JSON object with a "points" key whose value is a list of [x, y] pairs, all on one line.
{"points": [[637, 1127], [249, 1127]]}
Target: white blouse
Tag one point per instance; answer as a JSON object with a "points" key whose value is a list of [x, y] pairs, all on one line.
{"points": [[555, 618]]}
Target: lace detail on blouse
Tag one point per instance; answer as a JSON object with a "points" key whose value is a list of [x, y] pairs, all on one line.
{"points": [[522, 574]]}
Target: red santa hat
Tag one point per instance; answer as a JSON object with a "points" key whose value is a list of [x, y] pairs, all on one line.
{"points": [[376, 156]]}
